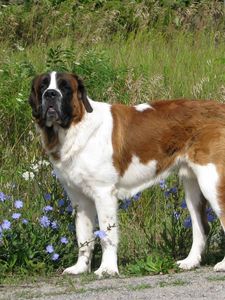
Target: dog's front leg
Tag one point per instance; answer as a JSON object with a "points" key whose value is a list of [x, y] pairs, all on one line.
{"points": [[106, 206], [85, 220]]}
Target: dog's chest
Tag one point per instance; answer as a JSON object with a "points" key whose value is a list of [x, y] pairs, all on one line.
{"points": [[88, 170]]}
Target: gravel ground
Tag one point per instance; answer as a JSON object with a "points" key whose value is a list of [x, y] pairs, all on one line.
{"points": [[202, 283]]}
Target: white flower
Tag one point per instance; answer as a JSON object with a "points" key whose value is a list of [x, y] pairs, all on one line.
{"points": [[35, 167], [28, 175], [43, 163]]}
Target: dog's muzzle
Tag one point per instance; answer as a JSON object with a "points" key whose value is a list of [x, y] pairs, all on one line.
{"points": [[51, 104]]}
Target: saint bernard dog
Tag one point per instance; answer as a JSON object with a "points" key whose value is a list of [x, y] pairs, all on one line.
{"points": [[103, 152]]}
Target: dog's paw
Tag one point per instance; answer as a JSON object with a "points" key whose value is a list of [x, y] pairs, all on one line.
{"points": [[220, 267], [106, 272], [76, 269], [188, 263]]}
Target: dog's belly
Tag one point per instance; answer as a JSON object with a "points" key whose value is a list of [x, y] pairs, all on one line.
{"points": [[137, 178]]}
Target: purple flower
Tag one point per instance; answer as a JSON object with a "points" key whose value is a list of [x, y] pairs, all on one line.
{"points": [[3, 197], [211, 217], [187, 222], [64, 240], [126, 203], [16, 216], [54, 225], [69, 209], [25, 221], [44, 221], [6, 224], [176, 215], [18, 204], [183, 204], [47, 196], [48, 208], [49, 249], [170, 191], [100, 234], [55, 256], [162, 184], [61, 202], [137, 196], [173, 190]]}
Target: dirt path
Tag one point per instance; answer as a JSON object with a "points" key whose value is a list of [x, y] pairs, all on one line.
{"points": [[199, 284]]}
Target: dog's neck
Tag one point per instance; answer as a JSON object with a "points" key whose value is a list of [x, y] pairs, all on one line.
{"points": [[60, 143]]}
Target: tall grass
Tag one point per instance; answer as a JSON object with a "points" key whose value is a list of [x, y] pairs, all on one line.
{"points": [[133, 63]]}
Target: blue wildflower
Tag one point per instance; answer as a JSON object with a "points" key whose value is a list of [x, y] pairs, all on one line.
{"points": [[44, 221], [6, 224], [176, 215], [25, 221], [69, 209], [16, 216], [137, 196], [187, 222], [64, 240], [3, 197], [49, 249], [126, 203], [48, 208], [18, 204], [183, 204], [47, 196], [100, 234], [55, 256], [162, 184], [172, 191], [211, 217], [54, 225], [61, 202]]}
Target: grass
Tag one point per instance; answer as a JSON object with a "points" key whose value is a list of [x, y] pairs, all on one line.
{"points": [[123, 61]]}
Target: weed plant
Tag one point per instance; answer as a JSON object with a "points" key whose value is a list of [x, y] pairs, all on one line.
{"points": [[125, 53]]}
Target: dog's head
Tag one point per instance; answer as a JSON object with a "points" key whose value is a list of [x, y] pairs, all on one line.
{"points": [[58, 98]]}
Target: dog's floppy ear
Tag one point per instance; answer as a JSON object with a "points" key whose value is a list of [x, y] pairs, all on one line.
{"points": [[33, 100], [83, 95]]}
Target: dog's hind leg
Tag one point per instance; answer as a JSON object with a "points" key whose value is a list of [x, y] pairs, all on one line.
{"points": [[212, 185], [220, 267], [196, 204]]}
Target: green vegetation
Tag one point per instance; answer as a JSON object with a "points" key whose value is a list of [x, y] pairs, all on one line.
{"points": [[126, 51]]}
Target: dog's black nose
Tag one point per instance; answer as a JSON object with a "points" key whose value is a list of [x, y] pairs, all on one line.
{"points": [[51, 94]]}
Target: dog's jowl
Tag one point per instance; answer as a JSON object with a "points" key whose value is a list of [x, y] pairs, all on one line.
{"points": [[102, 153]]}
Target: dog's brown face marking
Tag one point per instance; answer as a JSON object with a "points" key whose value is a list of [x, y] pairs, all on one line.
{"points": [[57, 100]]}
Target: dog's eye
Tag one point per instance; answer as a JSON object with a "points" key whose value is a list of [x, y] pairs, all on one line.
{"points": [[44, 84], [64, 86]]}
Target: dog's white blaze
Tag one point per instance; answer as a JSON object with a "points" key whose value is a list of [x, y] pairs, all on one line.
{"points": [[53, 83], [142, 107]]}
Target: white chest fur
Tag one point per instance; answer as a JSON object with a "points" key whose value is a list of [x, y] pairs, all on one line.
{"points": [[86, 155]]}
